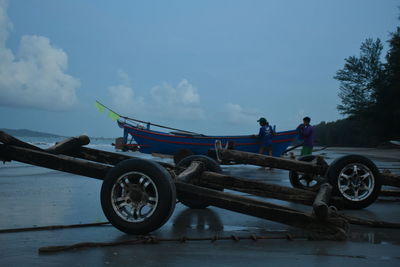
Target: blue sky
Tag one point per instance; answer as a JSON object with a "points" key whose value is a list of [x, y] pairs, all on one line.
{"points": [[213, 67]]}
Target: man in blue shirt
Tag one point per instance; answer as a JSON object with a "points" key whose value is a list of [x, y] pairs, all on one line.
{"points": [[266, 133]]}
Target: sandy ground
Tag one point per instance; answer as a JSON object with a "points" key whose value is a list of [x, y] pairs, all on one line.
{"points": [[33, 196]]}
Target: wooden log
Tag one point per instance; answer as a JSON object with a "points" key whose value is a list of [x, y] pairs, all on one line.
{"points": [[256, 187], [192, 171], [261, 189], [7, 139], [273, 162], [321, 202], [84, 152], [106, 157], [390, 193], [330, 229], [69, 144], [55, 162], [390, 179]]}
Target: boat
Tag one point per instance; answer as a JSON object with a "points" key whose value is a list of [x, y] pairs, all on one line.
{"points": [[140, 137]]}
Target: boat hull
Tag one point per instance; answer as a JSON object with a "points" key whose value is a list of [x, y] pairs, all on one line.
{"points": [[150, 141]]}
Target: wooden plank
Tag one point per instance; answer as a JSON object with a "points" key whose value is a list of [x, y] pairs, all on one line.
{"points": [[55, 162], [330, 229], [273, 162]]}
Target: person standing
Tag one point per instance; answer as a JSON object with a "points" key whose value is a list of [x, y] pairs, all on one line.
{"points": [[306, 132], [265, 134]]}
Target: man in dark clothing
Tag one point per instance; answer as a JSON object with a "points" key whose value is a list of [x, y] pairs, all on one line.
{"points": [[306, 132], [266, 133]]}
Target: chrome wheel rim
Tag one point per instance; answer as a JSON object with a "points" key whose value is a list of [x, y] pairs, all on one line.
{"points": [[356, 182], [134, 197]]}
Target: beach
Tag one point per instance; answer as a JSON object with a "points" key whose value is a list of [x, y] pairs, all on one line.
{"points": [[33, 196]]}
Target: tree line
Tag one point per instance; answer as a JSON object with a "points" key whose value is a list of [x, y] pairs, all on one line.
{"points": [[369, 90]]}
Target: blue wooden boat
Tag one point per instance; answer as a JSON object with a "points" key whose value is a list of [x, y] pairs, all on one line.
{"points": [[151, 141]]}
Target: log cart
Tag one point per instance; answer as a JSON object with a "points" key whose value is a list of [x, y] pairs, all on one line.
{"points": [[138, 196]]}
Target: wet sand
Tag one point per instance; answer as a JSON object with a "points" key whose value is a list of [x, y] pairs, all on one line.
{"points": [[33, 196]]}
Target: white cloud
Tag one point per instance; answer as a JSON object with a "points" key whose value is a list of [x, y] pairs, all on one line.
{"points": [[181, 102], [5, 24], [123, 97], [238, 115], [35, 75], [164, 101]]}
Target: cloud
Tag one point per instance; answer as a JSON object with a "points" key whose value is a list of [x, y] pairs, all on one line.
{"points": [[181, 102], [162, 101], [35, 75], [123, 97], [236, 114]]}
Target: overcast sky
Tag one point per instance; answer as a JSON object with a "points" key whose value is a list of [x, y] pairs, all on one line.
{"points": [[212, 66]]}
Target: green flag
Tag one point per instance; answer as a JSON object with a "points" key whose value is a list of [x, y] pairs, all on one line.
{"points": [[100, 107], [114, 116]]}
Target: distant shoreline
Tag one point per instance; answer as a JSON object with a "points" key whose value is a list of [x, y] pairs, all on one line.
{"points": [[30, 133]]}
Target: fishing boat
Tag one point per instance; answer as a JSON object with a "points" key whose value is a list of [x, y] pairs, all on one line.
{"points": [[141, 137]]}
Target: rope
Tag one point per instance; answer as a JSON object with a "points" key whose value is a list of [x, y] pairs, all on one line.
{"points": [[156, 240], [51, 227]]}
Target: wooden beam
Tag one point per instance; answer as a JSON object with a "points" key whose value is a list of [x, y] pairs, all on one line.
{"points": [[7, 139], [55, 162], [106, 157], [273, 162], [390, 193], [73, 149], [390, 179], [261, 189], [330, 229], [257, 187]]}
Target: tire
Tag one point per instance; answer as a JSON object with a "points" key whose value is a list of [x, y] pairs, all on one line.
{"points": [[306, 181], [181, 154], [356, 179], [151, 199], [211, 165]]}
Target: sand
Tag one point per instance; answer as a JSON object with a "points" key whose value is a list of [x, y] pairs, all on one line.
{"points": [[33, 196]]}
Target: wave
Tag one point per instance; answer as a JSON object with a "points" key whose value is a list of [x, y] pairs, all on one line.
{"points": [[29, 174]]}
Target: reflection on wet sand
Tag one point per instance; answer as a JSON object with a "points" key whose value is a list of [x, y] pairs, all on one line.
{"points": [[374, 236], [196, 219]]}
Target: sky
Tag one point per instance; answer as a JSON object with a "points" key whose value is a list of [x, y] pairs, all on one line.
{"points": [[210, 66]]}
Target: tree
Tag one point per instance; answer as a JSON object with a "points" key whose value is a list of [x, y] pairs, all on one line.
{"points": [[388, 94], [360, 78]]}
